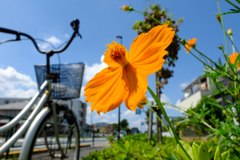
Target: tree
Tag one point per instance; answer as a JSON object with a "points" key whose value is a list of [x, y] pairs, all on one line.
{"points": [[115, 126], [124, 124], [146, 25], [133, 129]]}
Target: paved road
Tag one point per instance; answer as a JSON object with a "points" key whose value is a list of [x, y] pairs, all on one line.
{"points": [[84, 152]]}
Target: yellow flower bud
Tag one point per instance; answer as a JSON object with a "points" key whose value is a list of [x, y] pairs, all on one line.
{"points": [[220, 46], [224, 112], [127, 8], [229, 32], [218, 18]]}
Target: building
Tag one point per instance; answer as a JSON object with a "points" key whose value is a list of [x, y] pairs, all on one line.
{"points": [[194, 92], [12, 106], [102, 127], [12, 100]]}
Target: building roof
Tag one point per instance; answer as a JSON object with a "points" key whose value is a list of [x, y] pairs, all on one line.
{"points": [[10, 98], [14, 106]]}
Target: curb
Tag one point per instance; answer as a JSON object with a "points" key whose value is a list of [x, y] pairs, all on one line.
{"points": [[42, 149]]}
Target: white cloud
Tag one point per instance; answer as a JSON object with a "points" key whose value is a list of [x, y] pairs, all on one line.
{"points": [[165, 99], [130, 114], [53, 40], [178, 102], [20, 93], [66, 35], [137, 124], [15, 84], [82, 91], [184, 85], [108, 117], [91, 71]]}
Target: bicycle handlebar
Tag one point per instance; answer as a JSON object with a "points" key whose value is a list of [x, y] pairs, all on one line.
{"points": [[74, 24]]}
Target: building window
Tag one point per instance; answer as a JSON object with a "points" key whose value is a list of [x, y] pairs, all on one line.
{"points": [[6, 101]]}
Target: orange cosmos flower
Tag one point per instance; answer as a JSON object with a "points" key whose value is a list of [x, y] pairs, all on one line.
{"points": [[233, 58], [126, 77], [191, 43]]}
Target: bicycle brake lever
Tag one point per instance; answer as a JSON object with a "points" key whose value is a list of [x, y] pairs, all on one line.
{"points": [[75, 25]]}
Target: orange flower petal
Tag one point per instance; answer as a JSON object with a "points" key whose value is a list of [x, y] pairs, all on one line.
{"points": [[152, 58], [111, 95], [232, 58], [191, 43], [137, 86], [100, 80], [157, 34]]}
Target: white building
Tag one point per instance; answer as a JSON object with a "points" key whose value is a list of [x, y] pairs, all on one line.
{"points": [[194, 92]]}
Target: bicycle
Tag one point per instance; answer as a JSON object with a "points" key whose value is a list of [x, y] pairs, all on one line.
{"points": [[53, 123]]}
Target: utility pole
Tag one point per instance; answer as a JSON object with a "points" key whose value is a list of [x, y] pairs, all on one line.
{"points": [[158, 111], [120, 105], [150, 124]]}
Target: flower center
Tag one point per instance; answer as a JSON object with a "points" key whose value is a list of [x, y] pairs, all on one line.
{"points": [[117, 53]]}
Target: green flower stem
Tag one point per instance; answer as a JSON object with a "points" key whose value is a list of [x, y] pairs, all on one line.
{"points": [[160, 120], [228, 61], [148, 16], [214, 81], [230, 38], [203, 62], [223, 28], [202, 120], [226, 89], [233, 4], [233, 46], [167, 119]]}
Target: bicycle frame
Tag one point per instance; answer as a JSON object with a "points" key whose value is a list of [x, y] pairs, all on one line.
{"points": [[28, 122]]}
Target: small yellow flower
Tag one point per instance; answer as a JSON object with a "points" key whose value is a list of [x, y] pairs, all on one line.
{"points": [[191, 44], [127, 8], [233, 58], [188, 127], [229, 32], [126, 77]]}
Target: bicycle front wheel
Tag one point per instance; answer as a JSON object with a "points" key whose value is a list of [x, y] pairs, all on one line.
{"points": [[45, 146]]}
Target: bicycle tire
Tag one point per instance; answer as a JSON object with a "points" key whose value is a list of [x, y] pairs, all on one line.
{"points": [[45, 133]]}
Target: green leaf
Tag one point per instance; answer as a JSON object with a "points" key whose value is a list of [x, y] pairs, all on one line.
{"points": [[220, 62], [217, 155], [208, 70], [187, 147], [195, 147], [127, 146], [119, 147], [172, 157], [226, 155], [203, 153]]}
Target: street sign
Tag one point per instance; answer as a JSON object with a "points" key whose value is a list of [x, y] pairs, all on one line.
{"points": [[138, 111]]}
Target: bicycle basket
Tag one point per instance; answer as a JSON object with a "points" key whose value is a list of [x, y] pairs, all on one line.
{"points": [[69, 82]]}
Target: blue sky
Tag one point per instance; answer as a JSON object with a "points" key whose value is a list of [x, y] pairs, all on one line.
{"points": [[100, 22]]}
